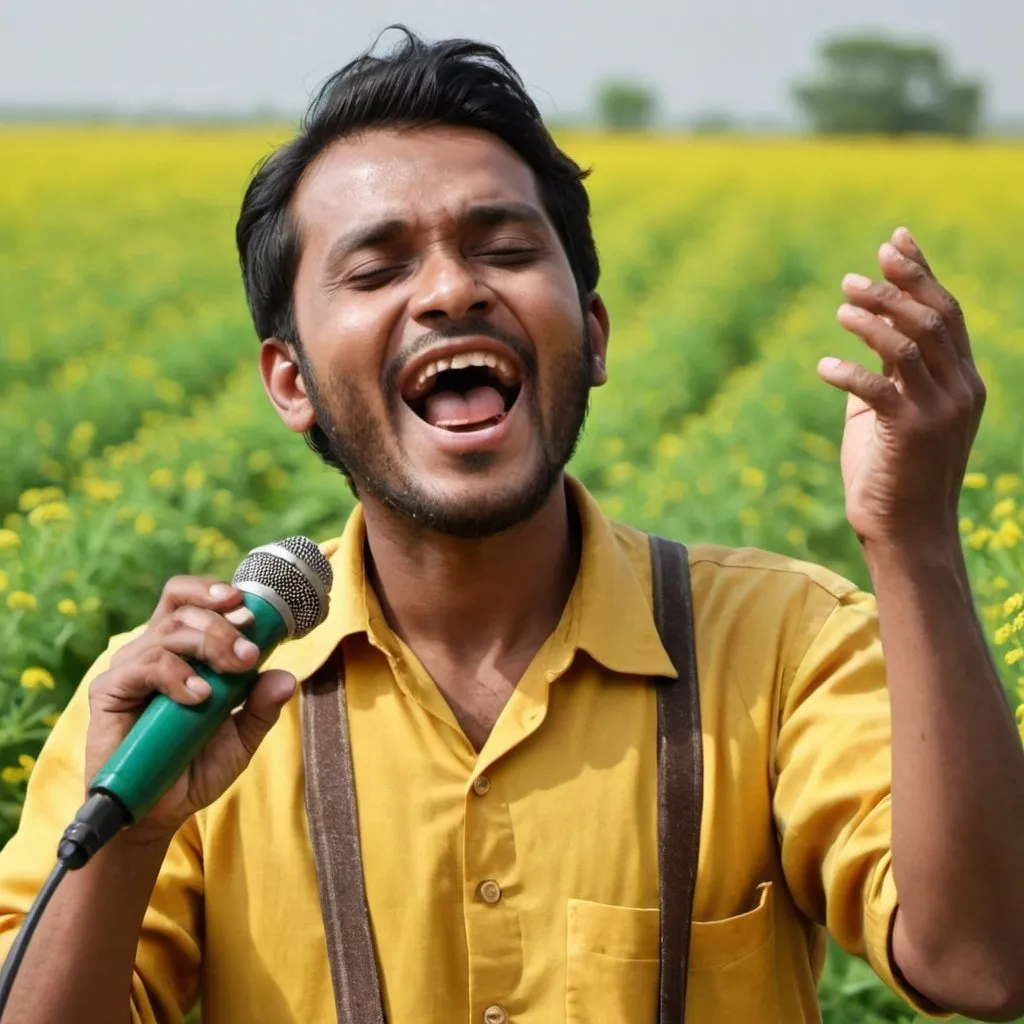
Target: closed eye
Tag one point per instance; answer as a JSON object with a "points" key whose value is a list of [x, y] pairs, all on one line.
{"points": [[510, 253], [374, 277]]}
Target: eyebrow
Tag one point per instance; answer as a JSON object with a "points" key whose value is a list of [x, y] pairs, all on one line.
{"points": [[382, 232]]}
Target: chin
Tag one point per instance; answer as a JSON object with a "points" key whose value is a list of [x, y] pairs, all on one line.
{"points": [[484, 500]]}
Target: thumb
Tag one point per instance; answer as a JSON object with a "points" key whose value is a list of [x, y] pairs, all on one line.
{"points": [[262, 708]]}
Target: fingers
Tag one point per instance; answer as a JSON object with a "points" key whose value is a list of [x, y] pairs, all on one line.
{"points": [[926, 337], [262, 708], [875, 391], [904, 264], [127, 687], [200, 634], [898, 353], [200, 591]]}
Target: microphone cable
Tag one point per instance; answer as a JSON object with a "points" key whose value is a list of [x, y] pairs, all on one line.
{"points": [[100, 818], [21, 940]]}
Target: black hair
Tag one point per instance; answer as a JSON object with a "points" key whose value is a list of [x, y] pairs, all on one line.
{"points": [[417, 84]]}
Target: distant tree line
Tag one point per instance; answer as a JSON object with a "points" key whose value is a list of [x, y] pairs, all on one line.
{"points": [[867, 84]]}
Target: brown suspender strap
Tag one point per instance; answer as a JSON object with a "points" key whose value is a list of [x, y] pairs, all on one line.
{"points": [[334, 830], [334, 823], [680, 773]]}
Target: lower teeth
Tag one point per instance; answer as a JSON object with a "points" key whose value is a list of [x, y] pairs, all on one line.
{"points": [[468, 427]]}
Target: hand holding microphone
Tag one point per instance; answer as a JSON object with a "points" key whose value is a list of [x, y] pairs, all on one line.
{"points": [[173, 722], [195, 620], [168, 730]]}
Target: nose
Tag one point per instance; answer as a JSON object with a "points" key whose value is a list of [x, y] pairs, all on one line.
{"points": [[448, 289]]}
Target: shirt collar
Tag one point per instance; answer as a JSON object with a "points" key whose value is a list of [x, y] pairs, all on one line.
{"points": [[612, 614], [609, 614]]}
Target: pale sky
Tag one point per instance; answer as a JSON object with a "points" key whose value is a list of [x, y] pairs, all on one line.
{"points": [[236, 55]]}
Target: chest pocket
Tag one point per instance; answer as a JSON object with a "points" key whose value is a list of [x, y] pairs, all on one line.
{"points": [[612, 966]]}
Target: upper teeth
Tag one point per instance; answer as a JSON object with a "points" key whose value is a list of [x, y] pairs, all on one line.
{"points": [[505, 371]]}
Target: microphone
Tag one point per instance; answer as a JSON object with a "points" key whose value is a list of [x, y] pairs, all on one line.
{"points": [[286, 586]]}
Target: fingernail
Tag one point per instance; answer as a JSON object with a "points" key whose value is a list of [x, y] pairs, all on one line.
{"points": [[245, 649], [850, 310], [828, 363], [198, 687], [221, 591], [890, 250], [906, 231], [240, 616], [857, 281]]}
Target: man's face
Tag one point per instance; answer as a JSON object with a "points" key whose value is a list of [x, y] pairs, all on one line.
{"points": [[445, 352]]}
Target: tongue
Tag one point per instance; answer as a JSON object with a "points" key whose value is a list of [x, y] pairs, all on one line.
{"points": [[450, 410]]}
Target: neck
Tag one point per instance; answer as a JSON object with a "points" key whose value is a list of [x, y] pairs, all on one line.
{"points": [[487, 598]]}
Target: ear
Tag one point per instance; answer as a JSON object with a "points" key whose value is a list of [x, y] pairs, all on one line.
{"points": [[282, 380], [600, 329]]}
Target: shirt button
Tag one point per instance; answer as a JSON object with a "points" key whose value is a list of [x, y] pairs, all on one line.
{"points": [[495, 1015], [481, 784], [490, 892]]}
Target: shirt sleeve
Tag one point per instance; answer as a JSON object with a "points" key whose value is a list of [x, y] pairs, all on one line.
{"points": [[166, 979], [833, 789]]}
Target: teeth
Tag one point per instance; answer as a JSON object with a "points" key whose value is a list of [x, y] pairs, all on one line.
{"points": [[504, 369]]}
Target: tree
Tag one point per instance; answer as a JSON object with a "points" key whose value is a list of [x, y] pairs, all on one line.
{"points": [[875, 85], [625, 104]]}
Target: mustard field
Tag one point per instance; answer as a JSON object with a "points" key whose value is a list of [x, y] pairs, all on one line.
{"points": [[136, 441]]}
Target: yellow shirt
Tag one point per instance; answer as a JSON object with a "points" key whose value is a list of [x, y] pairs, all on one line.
{"points": [[796, 819]]}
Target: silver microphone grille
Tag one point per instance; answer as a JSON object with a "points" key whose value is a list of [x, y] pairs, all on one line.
{"points": [[294, 573]]}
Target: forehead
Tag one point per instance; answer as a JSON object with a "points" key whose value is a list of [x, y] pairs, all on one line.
{"points": [[420, 175]]}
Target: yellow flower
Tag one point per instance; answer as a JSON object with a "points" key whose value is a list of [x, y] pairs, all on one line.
{"points": [[1013, 603], [668, 445], [20, 599], [979, 538], [8, 539], [194, 477], [966, 525], [50, 512], [1000, 583], [67, 606], [144, 523], [51, 719], [82, 436], [90, 605], [277, 478], [749, 517], [1012, 657], [1009, 533], [1003, 508], [169, 391], [12, 775], [27, 763], [102, 490], [1007, 483], [796, 536], [161, 479], [752, 477], [975, 481], [1003, 634], [33, 678]]}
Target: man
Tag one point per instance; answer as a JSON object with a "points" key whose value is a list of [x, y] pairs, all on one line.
{"points": [[421, 272]]}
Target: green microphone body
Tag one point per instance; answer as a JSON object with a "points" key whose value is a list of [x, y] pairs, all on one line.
{"points": [[168, 735], [286, 586]]}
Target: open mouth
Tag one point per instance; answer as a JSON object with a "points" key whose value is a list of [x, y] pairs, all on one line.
{"points": [[464, 392]]}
